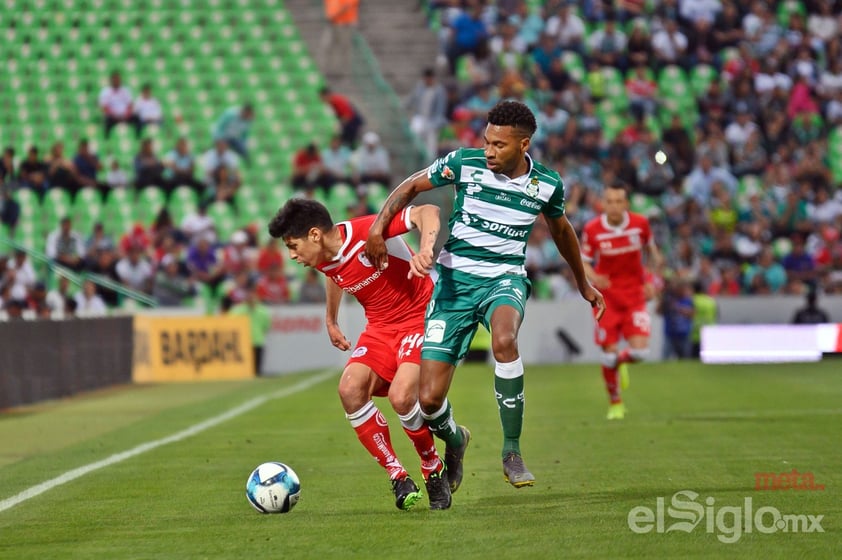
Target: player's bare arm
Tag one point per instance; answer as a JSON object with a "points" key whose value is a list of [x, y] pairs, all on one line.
{"points": [[426, 219], [375, 247], [334, 298], [568, 245], [600, 281]]}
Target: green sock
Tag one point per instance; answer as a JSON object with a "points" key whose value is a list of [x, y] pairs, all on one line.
{"points": [[510, 401], [443, 426]]}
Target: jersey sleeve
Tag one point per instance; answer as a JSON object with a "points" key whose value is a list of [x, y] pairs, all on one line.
{"points": [[555, 205], [446, 170], [400, 224]]}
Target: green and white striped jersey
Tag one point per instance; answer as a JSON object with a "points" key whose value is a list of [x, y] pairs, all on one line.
{"points": [[493, 214]]}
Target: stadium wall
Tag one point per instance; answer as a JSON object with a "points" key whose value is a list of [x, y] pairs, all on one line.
{"points": [[42, 360], [553, 332]]}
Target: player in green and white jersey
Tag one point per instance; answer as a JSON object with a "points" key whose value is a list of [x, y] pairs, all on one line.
{"points": [[500, 191]]}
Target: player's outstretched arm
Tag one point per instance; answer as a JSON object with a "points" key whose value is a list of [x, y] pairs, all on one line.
{"points": [[334, 298], [426, 219], [375, 247], [568, 245]]}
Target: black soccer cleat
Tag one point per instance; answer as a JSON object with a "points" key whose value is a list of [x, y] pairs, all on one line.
{"points": [[453, 460], [406, 493], [438, 490]]}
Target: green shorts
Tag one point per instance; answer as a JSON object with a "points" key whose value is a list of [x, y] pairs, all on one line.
{"points": [[460, 303]]}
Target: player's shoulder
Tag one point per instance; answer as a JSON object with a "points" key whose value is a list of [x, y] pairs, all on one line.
{"points": [[594, 223], [545, 174], [638, 220]]}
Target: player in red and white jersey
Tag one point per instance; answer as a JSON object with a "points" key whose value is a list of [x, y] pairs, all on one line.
{"points": [[613, 246], [387, 356]]}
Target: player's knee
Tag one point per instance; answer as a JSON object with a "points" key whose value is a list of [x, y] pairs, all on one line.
{"points": [[638, 354], [352, 393], [402, 399], [504, 346], [431, 400]]}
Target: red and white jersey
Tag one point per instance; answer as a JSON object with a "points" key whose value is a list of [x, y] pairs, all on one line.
{"points": [[388, 297], [617, 252]]}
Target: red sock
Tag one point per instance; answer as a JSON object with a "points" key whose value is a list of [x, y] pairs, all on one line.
{"points": [[373, 433], [611, 385], [422, 439]]}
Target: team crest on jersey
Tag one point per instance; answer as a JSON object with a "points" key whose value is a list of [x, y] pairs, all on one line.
{"points": [[634, 239], [364, 260], [447, 173], [532, 188], [359, 351]]}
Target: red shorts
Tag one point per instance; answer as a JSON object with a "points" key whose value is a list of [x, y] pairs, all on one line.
{"points": [[385, 350], [621, 322]]}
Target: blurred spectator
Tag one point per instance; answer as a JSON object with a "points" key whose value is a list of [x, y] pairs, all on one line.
{"points": [[148, 167], [678, 146], [260, 320], [270, 255], [749, 157], [567, 28], [57, 298], [147, 110], [135, 238], [226, 181], [217, 157], [9, 211], [134, 270], [198, 224], [180, 164], [766, 276], [8, 174], [825, 24], [233, 127], [467, 31], [98, 241], [607, 45], [811, 313], [272, 288], [669, 44], [307, 170], [61, 172], [350, 119], [427, 105], [203, 264], [115, 101], [20, 275], [65, 246], [87, 164], [371, 161], [678, 311], [312, 290], [171, 287], [800, 265], [237, 257], [88, 302], [116, 178], [639, 45], [335, 45], [701, 180], [32, 172], [641, 90], [336, 162]]}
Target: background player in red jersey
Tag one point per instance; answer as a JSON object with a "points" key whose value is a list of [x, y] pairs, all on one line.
{"points": [[386, 359], [612, 248]]}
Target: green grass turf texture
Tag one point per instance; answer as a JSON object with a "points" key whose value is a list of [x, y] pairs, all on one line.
{"points": [[689, 427]]}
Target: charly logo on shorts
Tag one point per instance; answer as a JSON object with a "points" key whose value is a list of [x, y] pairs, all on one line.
{"points": [[359, 351], [435, 331]]}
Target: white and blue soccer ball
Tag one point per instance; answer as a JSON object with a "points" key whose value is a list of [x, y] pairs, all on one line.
{"points": [[273, 488]]}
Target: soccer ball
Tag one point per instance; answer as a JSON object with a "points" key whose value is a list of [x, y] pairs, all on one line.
{"points": [[273, 488]]}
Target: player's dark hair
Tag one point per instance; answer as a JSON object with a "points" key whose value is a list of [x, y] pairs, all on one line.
{"points": [[298, 216], [620, 186], [514, 114]]}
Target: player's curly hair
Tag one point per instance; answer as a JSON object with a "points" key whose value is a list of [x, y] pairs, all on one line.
{"points": [[514, 114], [297, 217]]}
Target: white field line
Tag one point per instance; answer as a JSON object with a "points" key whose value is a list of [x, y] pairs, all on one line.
{"points": [[79, 472]]}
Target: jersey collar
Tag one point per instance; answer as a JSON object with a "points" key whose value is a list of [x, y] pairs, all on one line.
{"points": [[623, 225]]}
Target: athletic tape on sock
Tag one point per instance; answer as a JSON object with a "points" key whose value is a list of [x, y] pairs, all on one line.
{"points": [[362, 416], [511, 370], [412, 420]]}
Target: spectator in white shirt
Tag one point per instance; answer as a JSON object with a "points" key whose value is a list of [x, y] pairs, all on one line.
{"points": [[147, 109], [115, 101], [669, 44], [20, 274], [89, 303], [198, 225], [738, 131], [568, 29], [220, 156], [134, 270], [371, 161], [66, 247]]}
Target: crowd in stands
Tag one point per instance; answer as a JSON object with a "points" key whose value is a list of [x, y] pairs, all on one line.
{"points": [[722, 117]]}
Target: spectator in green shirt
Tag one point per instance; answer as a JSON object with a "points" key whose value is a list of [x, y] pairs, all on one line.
{"points": [[260, 320], [233, 126]]}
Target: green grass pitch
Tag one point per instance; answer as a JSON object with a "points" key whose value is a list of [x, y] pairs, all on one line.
{"points": [[705, 429]]}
